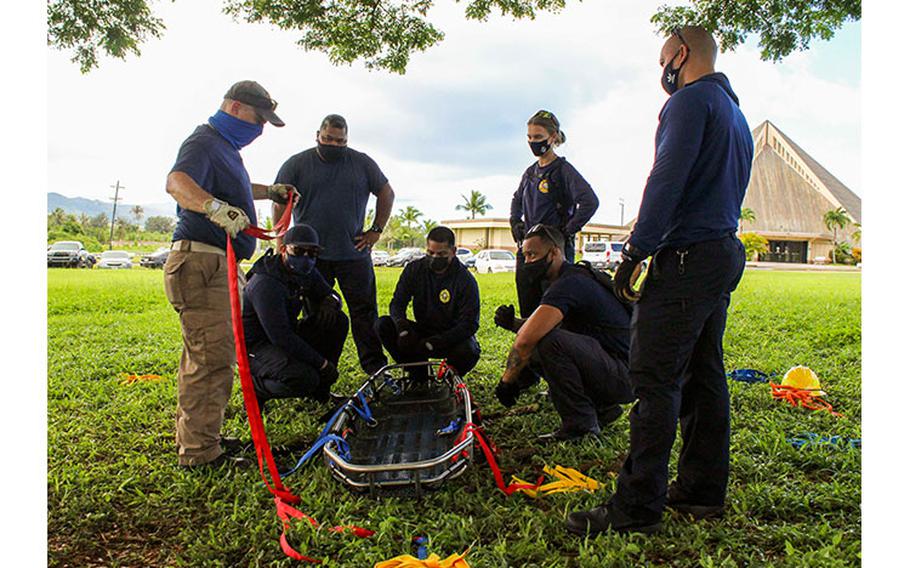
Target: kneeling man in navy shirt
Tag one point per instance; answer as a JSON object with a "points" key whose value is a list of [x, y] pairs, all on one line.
{"points": [[446, 309], [292, 356], [578, 339]]}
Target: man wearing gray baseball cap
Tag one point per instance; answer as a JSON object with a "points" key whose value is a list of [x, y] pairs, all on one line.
{"points": [[214, 199]]}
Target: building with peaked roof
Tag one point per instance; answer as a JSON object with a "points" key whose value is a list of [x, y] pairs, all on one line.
{"points": [[790, 193]]}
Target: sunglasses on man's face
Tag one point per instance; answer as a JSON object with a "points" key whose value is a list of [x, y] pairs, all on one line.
{"points": [[297, 250]]}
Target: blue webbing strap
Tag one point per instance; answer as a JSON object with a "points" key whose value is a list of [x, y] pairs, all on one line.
{"points": [[812, 439], [392, 384], [340, 443], [748, 376], [365, 412]]}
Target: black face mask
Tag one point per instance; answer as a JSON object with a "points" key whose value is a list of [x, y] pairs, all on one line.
{"points": [[537, 271], [331, 153], [670, 78], [438, 263], [540, 148]]}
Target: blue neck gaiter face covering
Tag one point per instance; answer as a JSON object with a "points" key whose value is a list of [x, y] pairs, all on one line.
{"points": [[238, 132]]}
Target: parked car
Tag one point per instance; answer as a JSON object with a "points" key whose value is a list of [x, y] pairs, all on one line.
{"points": [[494, 260], [406, 256], [603, 254], [465, 256], [69, 254], [115, 259], [380, 257], [155, 259]]}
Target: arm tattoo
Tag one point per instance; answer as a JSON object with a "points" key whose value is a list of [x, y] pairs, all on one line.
{"points": [[514, 361]]}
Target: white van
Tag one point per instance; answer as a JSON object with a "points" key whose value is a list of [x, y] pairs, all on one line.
{"points": [[603, 254]]}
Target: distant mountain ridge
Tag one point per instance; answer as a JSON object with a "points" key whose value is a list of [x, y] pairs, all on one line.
{"points": [[92, 207]]}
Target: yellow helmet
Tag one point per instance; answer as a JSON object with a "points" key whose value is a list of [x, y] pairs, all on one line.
{"points": [[803, 378]]}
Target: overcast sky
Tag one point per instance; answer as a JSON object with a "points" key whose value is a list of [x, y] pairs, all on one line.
{"points": [[455, 122]]}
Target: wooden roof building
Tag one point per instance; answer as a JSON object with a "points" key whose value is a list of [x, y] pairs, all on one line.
{"points": [[790, 192]]}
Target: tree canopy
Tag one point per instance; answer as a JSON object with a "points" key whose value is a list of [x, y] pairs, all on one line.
{"points": [[781, 27], [385, 33]]}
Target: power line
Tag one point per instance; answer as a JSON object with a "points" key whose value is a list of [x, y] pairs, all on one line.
{"points": [[115, 199]]}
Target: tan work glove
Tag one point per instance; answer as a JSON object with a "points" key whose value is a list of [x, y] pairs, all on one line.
{"points": [[231, 219], [278, 192]]}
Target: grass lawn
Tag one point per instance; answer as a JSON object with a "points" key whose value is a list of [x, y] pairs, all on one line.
{"points": [[117, 498]]}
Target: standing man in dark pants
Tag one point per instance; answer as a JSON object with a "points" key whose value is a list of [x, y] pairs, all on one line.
{"points": [[578, 339], [214, 199], [687, 220], [292, 356], [335, 182], [446, 307]]}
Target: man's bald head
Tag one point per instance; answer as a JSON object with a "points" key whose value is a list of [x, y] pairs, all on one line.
{"points": [[693, 48]]}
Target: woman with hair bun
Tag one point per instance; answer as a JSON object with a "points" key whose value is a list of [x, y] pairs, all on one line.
{"points": [[551, 192]]}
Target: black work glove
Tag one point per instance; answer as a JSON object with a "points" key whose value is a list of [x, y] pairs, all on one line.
{"points": [[328, 373], [505, 317], [328, 311], [622, 279], [408, 338], [518, 231], [507, 393]]}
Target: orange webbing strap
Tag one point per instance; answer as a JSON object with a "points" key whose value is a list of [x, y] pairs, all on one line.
{"points": [[799, 397]]}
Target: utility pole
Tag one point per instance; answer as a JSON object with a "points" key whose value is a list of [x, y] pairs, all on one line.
{"points": [[622, 211], [115, 199]]}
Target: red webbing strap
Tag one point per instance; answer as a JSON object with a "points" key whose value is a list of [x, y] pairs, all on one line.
{"points": [[285, 512], [257, 430], [284, 499], [491, 461], [280, 228]]}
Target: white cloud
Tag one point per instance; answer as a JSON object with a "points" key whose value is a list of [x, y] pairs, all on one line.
{"points": [[454, 122]]}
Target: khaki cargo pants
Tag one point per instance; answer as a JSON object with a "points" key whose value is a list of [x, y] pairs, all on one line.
{"points": [[196, 284]]}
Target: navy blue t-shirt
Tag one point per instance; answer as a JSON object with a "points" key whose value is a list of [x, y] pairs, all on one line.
{"points": [[535, 199], [701, 168], [333, 197], [589, 309], [210, 160]]}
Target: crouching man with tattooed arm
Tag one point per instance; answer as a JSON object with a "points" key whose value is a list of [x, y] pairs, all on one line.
{"points": [[578, 339]]}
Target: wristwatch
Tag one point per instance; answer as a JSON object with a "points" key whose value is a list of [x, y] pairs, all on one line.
{"points": [[375, 228]]}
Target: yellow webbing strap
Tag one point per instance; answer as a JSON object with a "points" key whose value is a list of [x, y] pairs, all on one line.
{"points": [[569, 480], [408, 561]]}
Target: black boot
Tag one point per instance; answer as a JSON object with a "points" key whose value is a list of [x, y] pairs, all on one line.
{"points": [[606, 518]]}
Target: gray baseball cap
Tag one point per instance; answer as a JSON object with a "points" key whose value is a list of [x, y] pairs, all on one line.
{"points": [[253, 94]]}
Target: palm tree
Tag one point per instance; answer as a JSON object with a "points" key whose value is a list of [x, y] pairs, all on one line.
{"points": [[745, 214], [409, 216], [857, 234], [475, 204], [834, 219], [428, 226], [137, 212]]}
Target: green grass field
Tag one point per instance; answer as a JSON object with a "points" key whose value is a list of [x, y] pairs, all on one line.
{"points": [[117, 498]]}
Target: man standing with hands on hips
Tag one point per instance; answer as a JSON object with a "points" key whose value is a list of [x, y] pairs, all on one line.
{"points": [[687, 221], [214, 198], [335, 183]]}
